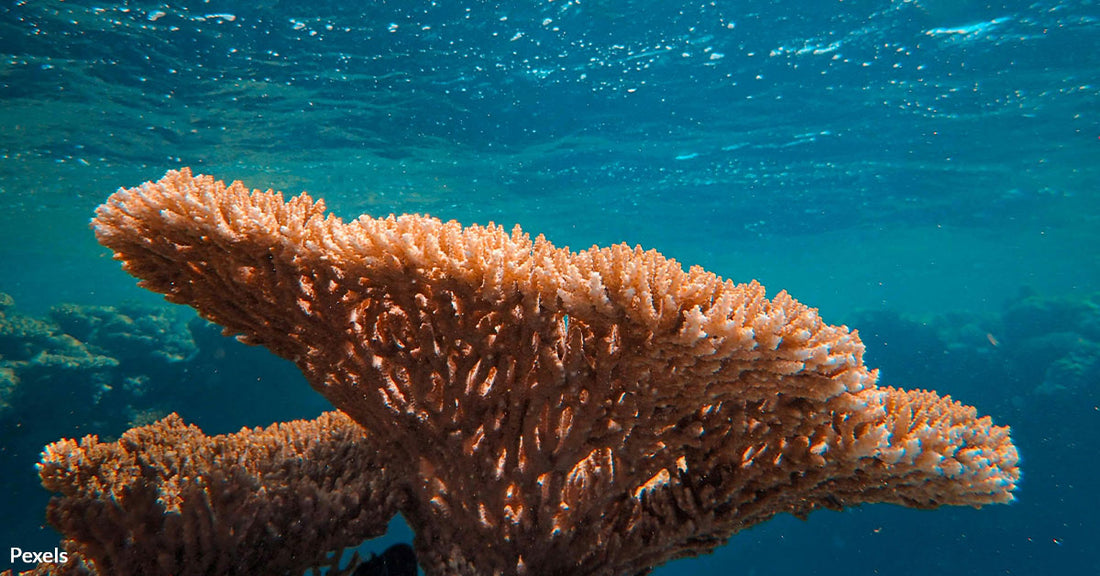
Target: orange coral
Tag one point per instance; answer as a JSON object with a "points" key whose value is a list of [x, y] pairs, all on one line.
{"points": [[549, 411], [166, 499]]}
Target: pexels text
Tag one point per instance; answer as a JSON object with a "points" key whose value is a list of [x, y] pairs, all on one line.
{"points": [[18, 555]]}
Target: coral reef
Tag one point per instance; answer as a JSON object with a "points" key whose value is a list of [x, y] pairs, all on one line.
{"points": [[80, 355], [1037, 348]]}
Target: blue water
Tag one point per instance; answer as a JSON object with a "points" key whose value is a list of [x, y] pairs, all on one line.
{"points": [[931, 159]]}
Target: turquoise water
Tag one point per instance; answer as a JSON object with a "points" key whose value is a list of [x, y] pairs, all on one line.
{"points": [[929, 169]]}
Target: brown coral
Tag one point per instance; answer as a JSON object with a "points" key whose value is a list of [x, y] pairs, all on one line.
{"points": [[166, 499], [546, 411]]}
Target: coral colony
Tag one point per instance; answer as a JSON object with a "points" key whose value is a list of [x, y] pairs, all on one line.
{"points": [[526, 408]]}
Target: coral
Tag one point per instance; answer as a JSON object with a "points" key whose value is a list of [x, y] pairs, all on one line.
{"points": [[546, 411], [132, 334], [1075, 373], [168, 499], [41, 363], [1031, 314]]}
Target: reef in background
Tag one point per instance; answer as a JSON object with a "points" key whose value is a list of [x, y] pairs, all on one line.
{"points": [[1038, 350], [103, 369]]}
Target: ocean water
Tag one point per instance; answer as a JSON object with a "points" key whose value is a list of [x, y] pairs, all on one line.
{"points": [[925, 171]]}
